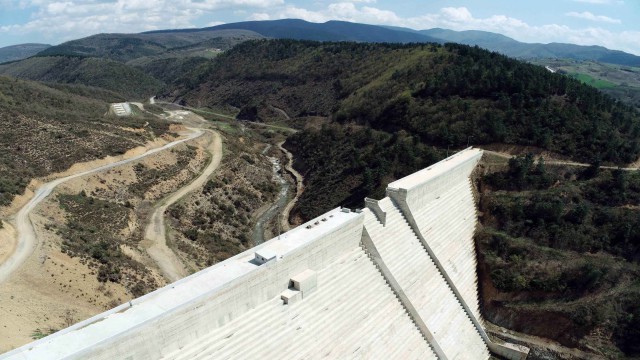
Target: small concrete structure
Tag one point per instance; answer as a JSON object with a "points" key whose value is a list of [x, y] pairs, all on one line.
{"points": [[395, 280], [264, 255], [121, 109], [306, 282]]}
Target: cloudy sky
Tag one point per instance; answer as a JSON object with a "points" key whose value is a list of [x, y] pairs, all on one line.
{"points": [[611, 23]]}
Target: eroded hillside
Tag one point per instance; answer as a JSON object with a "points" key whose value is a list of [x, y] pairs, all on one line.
{"points": [[46, 130]]}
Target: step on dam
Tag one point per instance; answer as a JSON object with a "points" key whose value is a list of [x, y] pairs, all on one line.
{"points": [[395, 280]]}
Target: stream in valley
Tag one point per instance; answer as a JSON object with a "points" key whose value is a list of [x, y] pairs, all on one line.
{"points": [[277, 206]]}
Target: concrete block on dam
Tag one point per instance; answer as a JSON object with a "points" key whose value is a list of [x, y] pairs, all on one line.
{"points": [[395, 280]]}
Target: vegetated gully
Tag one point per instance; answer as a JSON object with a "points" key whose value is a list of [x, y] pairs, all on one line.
{"points": [[27, 240]]}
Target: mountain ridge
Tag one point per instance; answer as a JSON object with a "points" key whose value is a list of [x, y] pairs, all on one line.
{"points": [[20, 51]]}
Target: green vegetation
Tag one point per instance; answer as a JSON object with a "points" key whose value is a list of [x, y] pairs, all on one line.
{"points": [[354, 162], [19, 52], [596, 83], [618, 81], [217, 222], [91, 232], [571, 249], [38, 334], [103, 73], [146, 177], [412, 96], [448, 95], [148, 46]]}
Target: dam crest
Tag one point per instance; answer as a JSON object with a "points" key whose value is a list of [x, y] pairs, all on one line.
{"points": [[396, 279]]}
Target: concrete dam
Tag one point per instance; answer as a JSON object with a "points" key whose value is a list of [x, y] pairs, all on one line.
{"points": [[395, 280]]}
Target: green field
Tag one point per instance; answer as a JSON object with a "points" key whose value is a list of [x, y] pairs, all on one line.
{"points": [[590, 80]]}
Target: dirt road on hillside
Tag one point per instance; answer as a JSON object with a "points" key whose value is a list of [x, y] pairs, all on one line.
{"points": [[559, 162], [172, 268], [27, 240]]}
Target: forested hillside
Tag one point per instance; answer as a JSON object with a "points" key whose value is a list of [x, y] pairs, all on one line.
{"points": [[106, 74], [430, 95], [126, 47], [561, 245]]}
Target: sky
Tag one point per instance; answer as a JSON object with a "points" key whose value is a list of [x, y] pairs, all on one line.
{"points": [[614, 24]]}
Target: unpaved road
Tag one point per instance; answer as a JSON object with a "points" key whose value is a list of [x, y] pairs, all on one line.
{"points": [[27, 240], [560, 162], [170, 265]]}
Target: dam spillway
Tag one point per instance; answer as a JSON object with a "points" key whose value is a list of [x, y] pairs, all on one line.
{"points": [[396, 279]]}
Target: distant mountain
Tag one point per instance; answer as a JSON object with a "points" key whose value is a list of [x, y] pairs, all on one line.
{"points": [[155, 45], [510, 47], [21, 51], [125, 47], [328, 31]]}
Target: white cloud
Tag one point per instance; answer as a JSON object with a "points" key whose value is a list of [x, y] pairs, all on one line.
{"points": [[63, 20], [460, 18], [259, 16], [589, 16]]}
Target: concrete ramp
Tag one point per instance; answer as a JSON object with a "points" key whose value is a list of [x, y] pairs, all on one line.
{"points": [[414, 271], [438, 202]]}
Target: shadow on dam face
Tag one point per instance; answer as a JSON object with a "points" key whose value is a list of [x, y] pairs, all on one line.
{"points": [[394, 280]]}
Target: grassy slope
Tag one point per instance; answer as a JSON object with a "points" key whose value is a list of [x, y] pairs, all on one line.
{"points": [[621, 82], [46, 130]]}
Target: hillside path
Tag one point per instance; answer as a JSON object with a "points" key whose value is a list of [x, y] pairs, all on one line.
{"points": [[560, 162], [170, 265], [27, 240]]}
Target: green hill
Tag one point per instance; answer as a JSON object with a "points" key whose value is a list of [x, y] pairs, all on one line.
{"points": [[510, 47], [103, 73], [125, 47], [444, 95]]}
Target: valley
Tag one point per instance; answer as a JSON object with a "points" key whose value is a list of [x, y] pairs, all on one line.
{"points": [[238, 134], [95, 235]]}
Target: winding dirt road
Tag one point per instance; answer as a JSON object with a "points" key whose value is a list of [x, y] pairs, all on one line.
{"points": [[170, 265], [27, 240]]}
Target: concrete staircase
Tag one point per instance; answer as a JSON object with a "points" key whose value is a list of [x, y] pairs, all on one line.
{"points": [[448, 223], [353, 311], [414, 270]]}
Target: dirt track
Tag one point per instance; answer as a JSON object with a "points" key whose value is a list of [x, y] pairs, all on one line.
{"points": [[27, 241], [168, 262], [560, 162]]}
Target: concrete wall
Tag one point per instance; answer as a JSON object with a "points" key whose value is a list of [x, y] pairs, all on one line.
{"points": [[118, 334]]}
